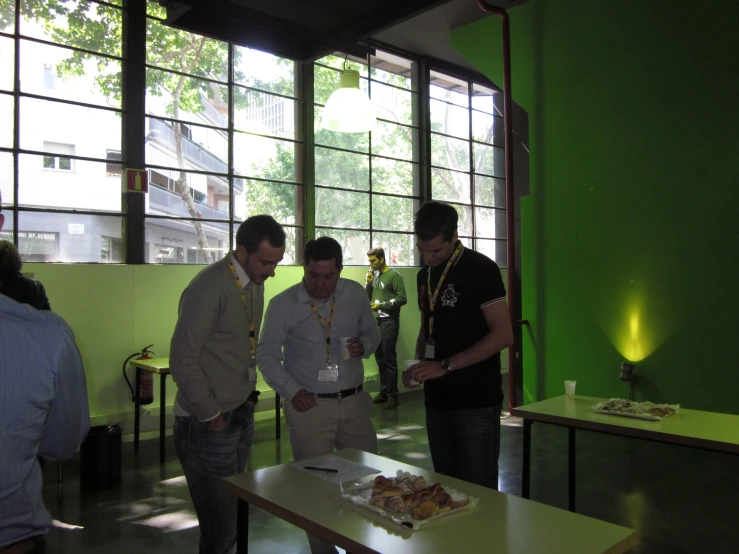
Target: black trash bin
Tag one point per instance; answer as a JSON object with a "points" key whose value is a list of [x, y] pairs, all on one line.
{"points": [[100, 458]]}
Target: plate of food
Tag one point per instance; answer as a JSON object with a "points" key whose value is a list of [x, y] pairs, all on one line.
{"points": [[639, 410], [406, 499]]}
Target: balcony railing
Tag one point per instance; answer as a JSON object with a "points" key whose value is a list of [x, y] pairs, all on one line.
{"points": [[171, 203]]}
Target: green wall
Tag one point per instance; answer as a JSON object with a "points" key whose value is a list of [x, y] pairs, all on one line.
{"points": [[629, 235], [116, 310]]}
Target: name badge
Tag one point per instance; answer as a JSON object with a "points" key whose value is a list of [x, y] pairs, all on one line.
{"points": [[252, 373], [329, 374], [429, 353]]}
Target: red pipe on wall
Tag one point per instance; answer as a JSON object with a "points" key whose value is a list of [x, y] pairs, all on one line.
{"points": [[510, 219]]}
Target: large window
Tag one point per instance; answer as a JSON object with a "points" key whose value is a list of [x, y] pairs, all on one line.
{"points": [[367, 184], [468, 160]]}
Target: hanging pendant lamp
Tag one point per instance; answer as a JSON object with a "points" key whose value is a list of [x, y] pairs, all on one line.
{"points": [[348, 110]]}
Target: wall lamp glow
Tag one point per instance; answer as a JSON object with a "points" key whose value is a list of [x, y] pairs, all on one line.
{"points": [[348, 110]]}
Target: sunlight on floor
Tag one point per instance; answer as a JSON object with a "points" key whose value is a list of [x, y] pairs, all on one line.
{"points": [[175, 481], [416, 455], [170, 523]]}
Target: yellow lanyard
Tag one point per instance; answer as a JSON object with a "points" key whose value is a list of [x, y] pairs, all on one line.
{"points": [[326, 328], [252, 338], [432, 299]]}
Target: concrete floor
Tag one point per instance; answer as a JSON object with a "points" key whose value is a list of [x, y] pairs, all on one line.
{"points": [[679, 500]]}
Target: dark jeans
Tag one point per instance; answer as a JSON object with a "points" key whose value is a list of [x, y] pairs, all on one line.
{"points": [[208, 456], [387, 359], [465, 443]]}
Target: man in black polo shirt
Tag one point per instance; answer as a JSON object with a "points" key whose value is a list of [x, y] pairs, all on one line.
{"points": [[464, 326]]}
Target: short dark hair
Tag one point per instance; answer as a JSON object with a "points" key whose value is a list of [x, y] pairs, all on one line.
{"points": [[434, 219], [257, 229], [10, 260], [323, 248], [377, 252]]}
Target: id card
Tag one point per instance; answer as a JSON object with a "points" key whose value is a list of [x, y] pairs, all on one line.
{"points": [[252, 373], [329, 374], [429, 352]]}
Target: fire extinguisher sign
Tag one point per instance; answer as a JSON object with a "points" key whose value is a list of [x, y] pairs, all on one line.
{"points": [[135, 180]]}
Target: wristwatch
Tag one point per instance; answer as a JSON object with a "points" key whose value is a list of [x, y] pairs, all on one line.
{"points": [[446, 365]]}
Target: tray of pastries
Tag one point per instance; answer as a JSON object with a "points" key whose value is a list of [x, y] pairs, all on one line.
{"points": [[639, 410], [406, 499]]}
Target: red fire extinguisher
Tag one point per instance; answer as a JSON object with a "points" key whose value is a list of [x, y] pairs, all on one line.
{"points": [[146, 382]]}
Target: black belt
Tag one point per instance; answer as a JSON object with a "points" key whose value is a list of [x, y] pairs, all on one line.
{"points": [[342, 393]]}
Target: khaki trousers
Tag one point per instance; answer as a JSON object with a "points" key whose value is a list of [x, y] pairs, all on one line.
{"points": [[336, 423]]}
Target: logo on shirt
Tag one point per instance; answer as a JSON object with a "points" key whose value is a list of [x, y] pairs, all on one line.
{"points": [[449, 297]]}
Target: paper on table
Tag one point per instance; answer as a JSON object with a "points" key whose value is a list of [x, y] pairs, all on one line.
{"points": [[346, 468]]}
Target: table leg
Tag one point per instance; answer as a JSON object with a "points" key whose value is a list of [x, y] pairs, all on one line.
{"points": [[242, 529], [526, 470], [162, 414], [137, 409], [571, 468], [277, 416]]}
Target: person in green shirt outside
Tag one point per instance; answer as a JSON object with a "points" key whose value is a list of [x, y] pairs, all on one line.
{"points": [[386, 291]]}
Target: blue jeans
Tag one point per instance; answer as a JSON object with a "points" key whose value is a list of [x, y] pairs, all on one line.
{"points": [[206, 457], [465, 443]]}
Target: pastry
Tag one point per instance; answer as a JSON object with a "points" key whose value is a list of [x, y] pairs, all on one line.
{"points": [[461, 503], [426, 509], [382, 482], [396, 503], [392, 491]]}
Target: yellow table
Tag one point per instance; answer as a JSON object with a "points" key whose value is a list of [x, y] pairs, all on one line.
{"points": [[161, 366], [500, 523], [693, 428]]}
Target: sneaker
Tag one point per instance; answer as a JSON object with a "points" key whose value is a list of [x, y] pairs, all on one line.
{"points": [[380, 399], [391, 403]]}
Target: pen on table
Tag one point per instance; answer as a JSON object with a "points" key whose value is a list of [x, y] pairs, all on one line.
{"points": [[326, 469]]}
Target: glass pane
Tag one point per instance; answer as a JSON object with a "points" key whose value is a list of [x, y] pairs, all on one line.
{"points": [[393, 104], [467, 241], [394, 177], [200, 101], [266, 158], [341, 61], [53, 237], [489, 191], [450, 153], [391, 213], [394, 141], [464, 225], [354, 244], [326, 81], [153, 9], [294, 241], [335, 168], [489, 160], [171, 241], [7, 109], [7, 59], [186, 52], [487, 100], [392, 69], [449, 119], [65, 74], [339, 208], [400, 249], [450, 89], [208, 194], [6, 179], [494, 249], [54, 181], [490, 223], [264, 71], [74, 23], [450, 186], [264, 114], [282, 201], [488, 128], [7, 17], [202, 148], [357, 142]]}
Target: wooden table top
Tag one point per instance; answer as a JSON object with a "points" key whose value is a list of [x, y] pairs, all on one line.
{"points": [[500, 523], [155, 365], [695, 428]]}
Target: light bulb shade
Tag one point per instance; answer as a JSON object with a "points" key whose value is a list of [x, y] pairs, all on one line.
{"points": [[348, 109]]}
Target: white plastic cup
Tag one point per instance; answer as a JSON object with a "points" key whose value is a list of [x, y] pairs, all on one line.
{"points": [[344, 344], [570, 388], [408, 365]]}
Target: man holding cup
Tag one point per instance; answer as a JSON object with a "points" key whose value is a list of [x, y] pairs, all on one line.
{"points": [[300, 355], [464, 326], [386, 290]]}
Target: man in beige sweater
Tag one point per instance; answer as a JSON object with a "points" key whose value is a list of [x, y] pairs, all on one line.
{"points": [[213, 361]]}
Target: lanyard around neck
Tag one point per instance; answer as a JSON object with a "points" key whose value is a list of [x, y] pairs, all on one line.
{"points": [[326, 327], [252, 337], [432, 299]]}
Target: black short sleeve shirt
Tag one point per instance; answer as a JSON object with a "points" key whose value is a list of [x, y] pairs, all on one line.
{"points": [[473, 282]]}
